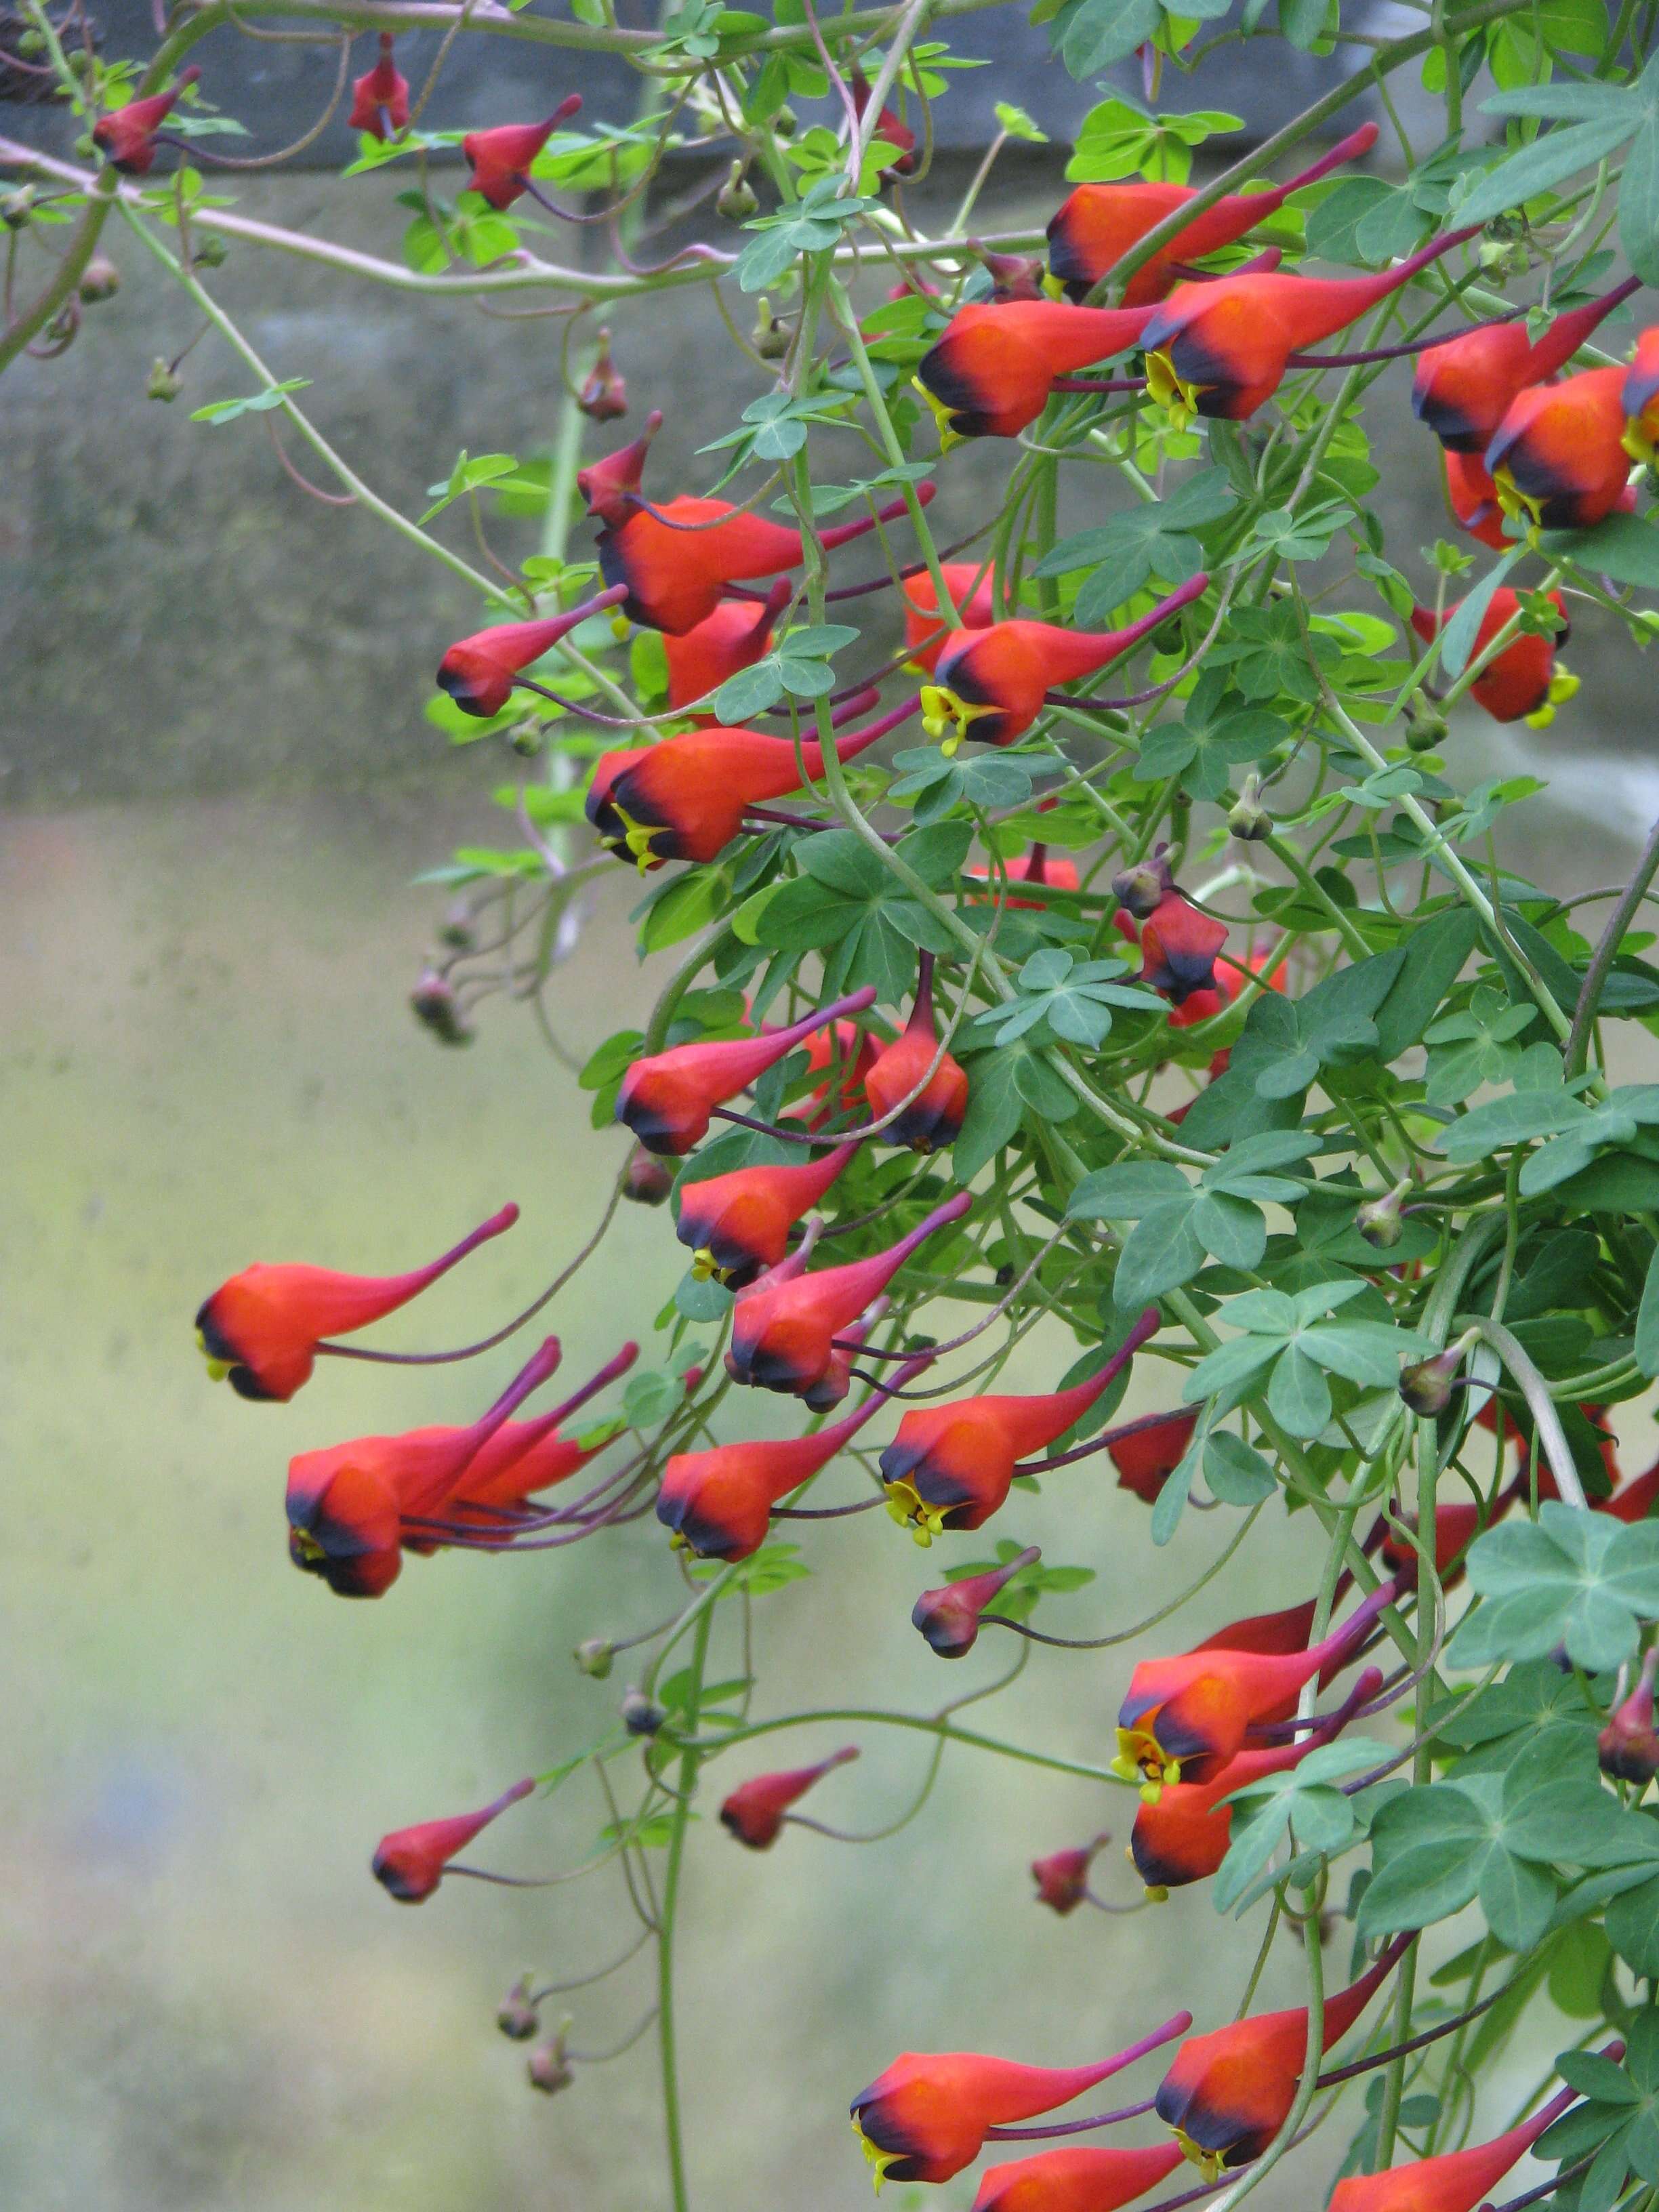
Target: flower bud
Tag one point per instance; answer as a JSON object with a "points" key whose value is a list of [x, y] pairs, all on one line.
{"points": [[1426, 1384], [640, 1715], [603, 395], [1013, 276], [1628, 1747], [18, 206], [208, 251], [516, 2018], [99, 280], [548, 2069], [164, 381], [785, 123], [1378, 1219], [593, 1655], [770, 337], [737, 201], [1249, 819], [30, 43], [645, 1180], [434, 1006], [456, 930], [1062, 1878], [1425, 729], [949, 1618], [1141, 890]]}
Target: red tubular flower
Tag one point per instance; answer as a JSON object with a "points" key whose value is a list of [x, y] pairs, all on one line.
{"points": [[1228, 2092], [684, 798], [409, 1862], [1186, 1717], [926, 2117], [950, 1466], [736, 635], [1640, 397], [1183, 1837], [676, 560], [501, 158], [668, 1100], [1062, 1878], [1204, 1005], [993, 368], [1456, 2180], [1524, 681], [843, 1054], [837, 1380], [1178, 945], [1146, 1453], [1039, 865], [379, 97], [889, 129], [949, 1617], [1634, 1501], [1099, 224], [991, 684], [1270, 1632], [1223, 348], [1559, 458], [784, 1327], [1463, 389], [126, 135], [1079, 2179], [1628, 1747], [1472, 496], [261, 1329], [754, 1813], [479, 672], [719, 1503], [933, 1117], [738, 1223], [1455, 1527], [347, 1505], [925, 631]]}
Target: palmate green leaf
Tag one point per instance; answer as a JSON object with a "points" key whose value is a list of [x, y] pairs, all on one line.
{"points": [[1090, 35], [1551, 159], [1572, 1579], [1155, 539], [1235, 1472]]}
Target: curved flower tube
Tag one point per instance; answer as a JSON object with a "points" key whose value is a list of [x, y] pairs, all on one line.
{"points": [[990, 684], [126, 135], [1463, 389], [668, 1099], [970, 584], [991, 372], [1456, 2180], [932, 1118], [1080, 2178], [480, 672], [739, 1222], [1099, 223], [949, 1618], [261, 1330], [755, 1811], [1146, 1453], [1558, 458], [379, 97], [1523, 683], [735, 636], [784, 1327], [500, 159], [409, 1862]]}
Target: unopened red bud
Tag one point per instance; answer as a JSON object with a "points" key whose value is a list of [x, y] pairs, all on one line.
{"points": [[1013, 276], [435, 1006], [456, 931], [641, 1716], [1628, 1747], [949, 1618], [517, 2018], [737, 201], [164, 381], [1062, 1878], [99, 280], [593, 1655], [1141, 890], [548, 2069], [603, 395], [645, 1179]]}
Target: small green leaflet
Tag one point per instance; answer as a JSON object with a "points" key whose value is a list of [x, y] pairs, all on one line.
{"points": [[257, 402], [1289, 1338], [1575, 1578]]}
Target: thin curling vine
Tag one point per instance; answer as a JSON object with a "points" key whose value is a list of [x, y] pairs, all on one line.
{"points": [[1184, 1034]]}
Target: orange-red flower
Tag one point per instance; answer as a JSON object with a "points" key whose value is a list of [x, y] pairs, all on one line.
{"points": [[992, 371], [1062, 1878], [949, 1617], [684, 798], [1147, 1452], [950, 1466], [719, 1503], [784, 1327], [755, 1811], [1634, 1501], [1183, 1837], [1628, 1747], [1038, 866], [1456, 2180], [736, 635], [889, 129], [500, 159], [1463, 389], [379, 97], [1203, 1006], [1455, 1527], [739, 1222], [843, 1054], [1522, 682], [126, 135], [1099, 224], [1639, 398], [668, 1099], [1472, 496], [261, 1329], [969, 585], [1186, 1717], [1221, 348], [990, 685], [409, 1862], [1178, 945], [927, 2116], [479, 672], [934, 1105], [1559, 458], [1228, 2092], [1081, 2177], [347, 1506]]}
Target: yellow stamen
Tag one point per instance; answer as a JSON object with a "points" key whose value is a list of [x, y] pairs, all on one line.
{"points": [[881, 2160], [621, 629], [1563, 686], [637, 837], [305, 1545], [1052, 285], [1140, 1753], [1639, 439], [1518, 505], [704, 1267], [1169, 391], [1210, 2163], [943, 712], [910, 1509], [947, 436], [217, 1369]]}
